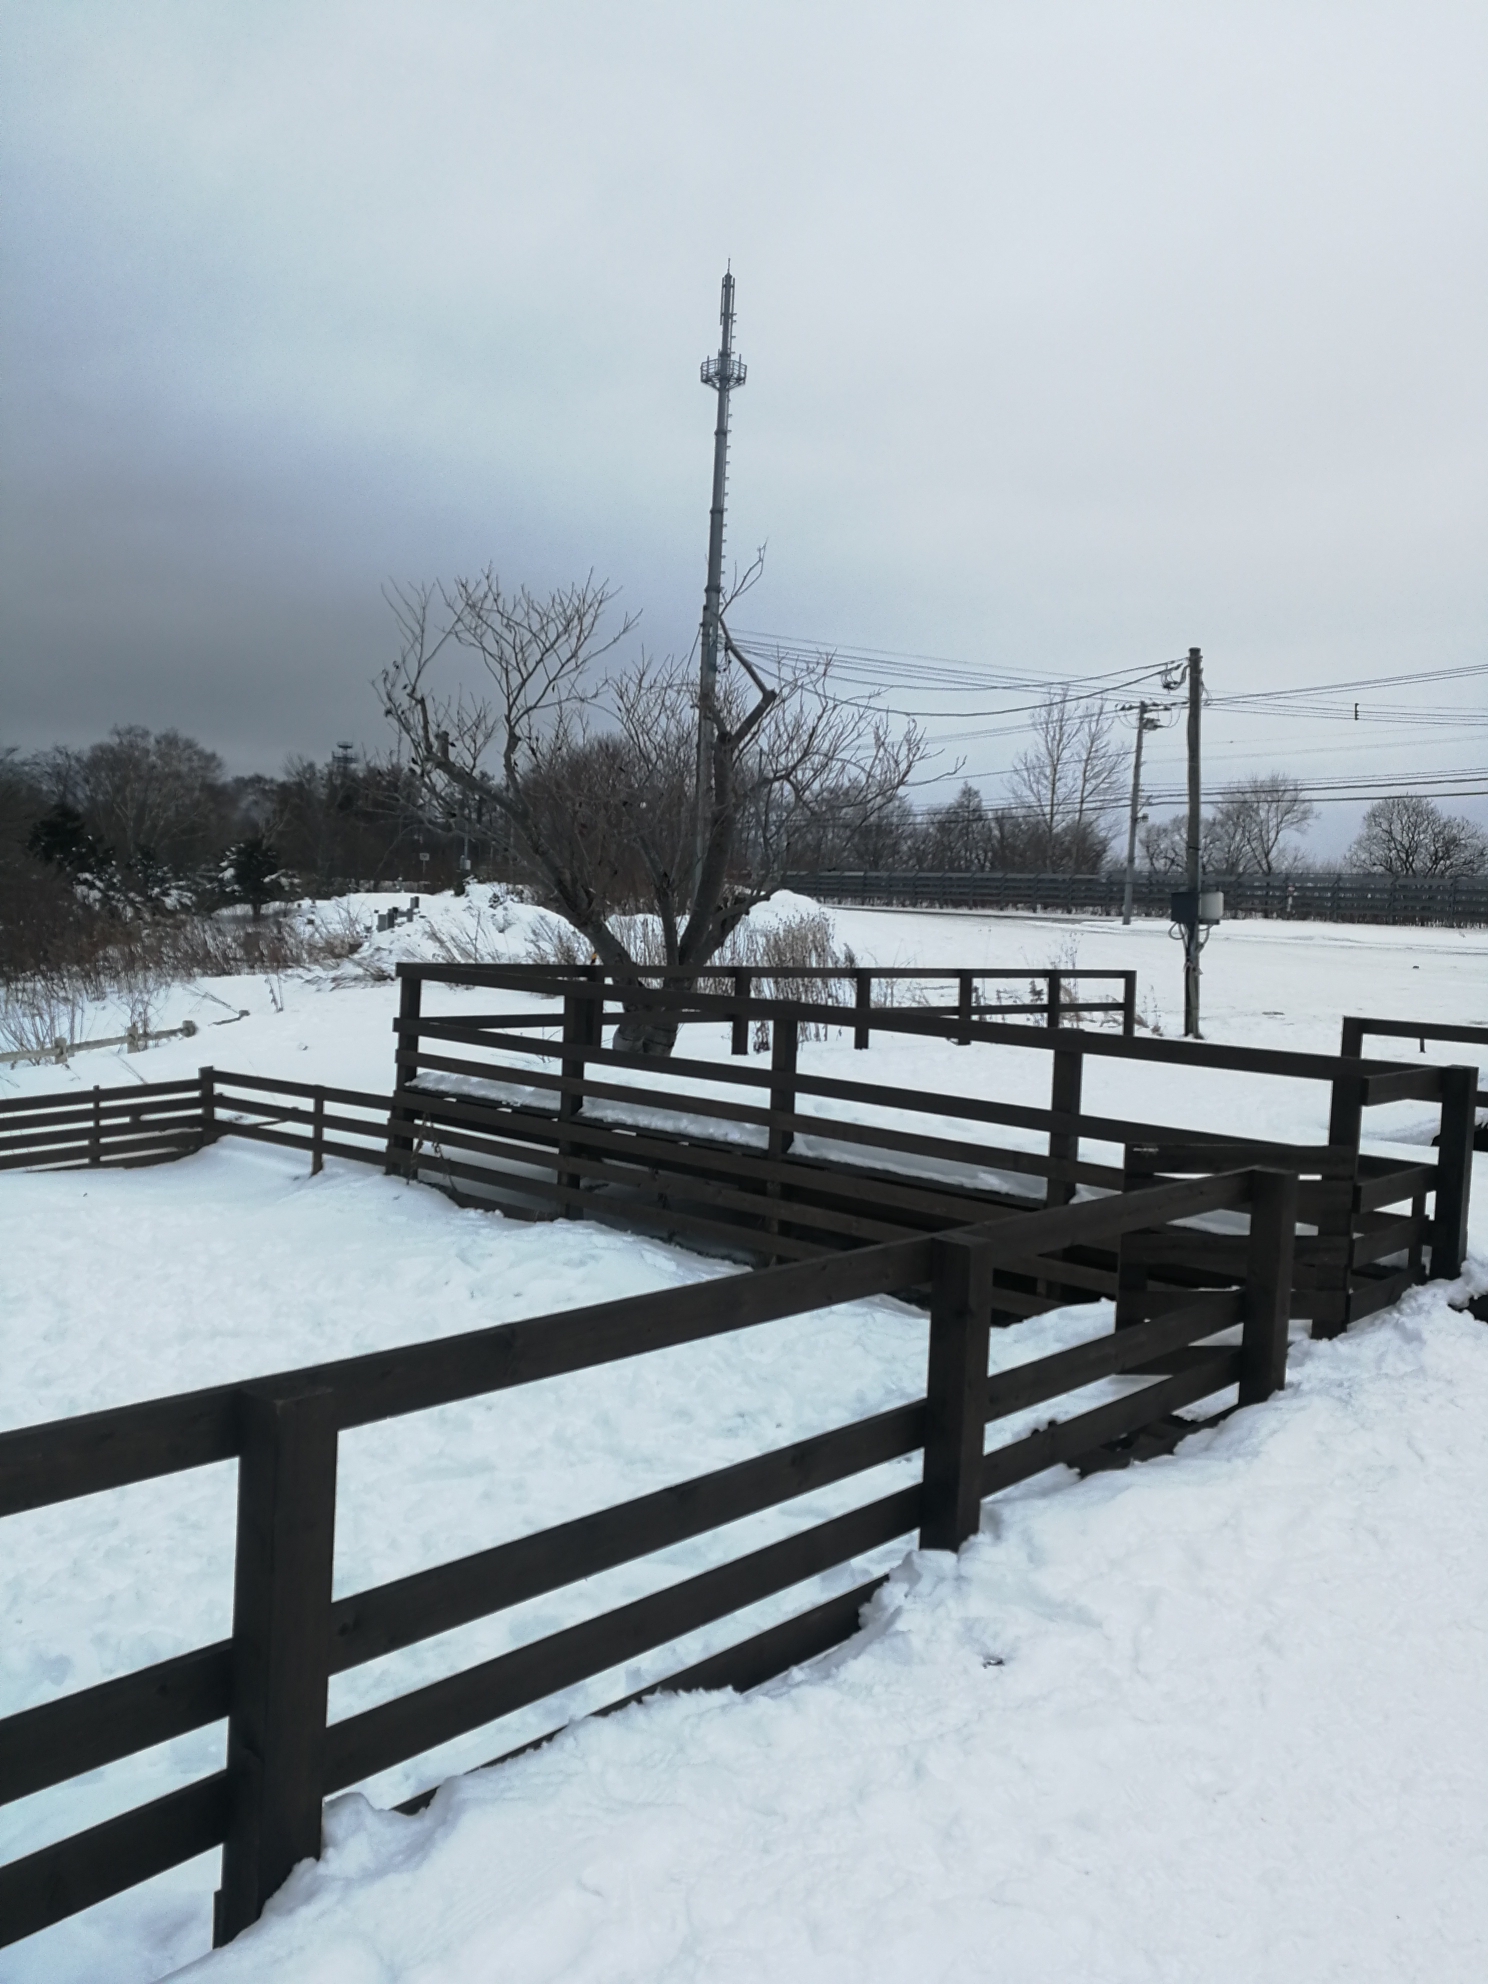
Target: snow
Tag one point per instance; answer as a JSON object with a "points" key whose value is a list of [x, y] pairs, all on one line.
{"points": [[1221, 1715]]}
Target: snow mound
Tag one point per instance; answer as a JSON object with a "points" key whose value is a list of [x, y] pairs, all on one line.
{"points": [[484, 926], [785, 906]]}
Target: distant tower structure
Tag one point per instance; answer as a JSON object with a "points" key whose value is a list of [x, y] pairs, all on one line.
{"points": [[722, 373]]}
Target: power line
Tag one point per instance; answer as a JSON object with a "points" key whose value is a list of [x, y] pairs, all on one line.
{"points": [[938, 674]]}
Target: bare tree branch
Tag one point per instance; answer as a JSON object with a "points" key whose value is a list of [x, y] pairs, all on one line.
{"points": [[597, 777]]}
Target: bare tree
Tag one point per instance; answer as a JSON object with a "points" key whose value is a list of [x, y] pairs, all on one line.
{"points": [[1164, 845], [1410, 835], [1251, 823], [147, 797], [597, 776], [1069, 780], [957, 836]]}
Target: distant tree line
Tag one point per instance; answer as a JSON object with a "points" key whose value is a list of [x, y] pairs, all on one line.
{"points": [[596, 818], [150, 824]]}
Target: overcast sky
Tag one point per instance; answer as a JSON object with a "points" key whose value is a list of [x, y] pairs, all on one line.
{"points": [[1076, 335]]}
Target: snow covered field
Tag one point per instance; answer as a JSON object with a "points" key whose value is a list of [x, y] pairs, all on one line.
{"points": [[1219, 1716]]}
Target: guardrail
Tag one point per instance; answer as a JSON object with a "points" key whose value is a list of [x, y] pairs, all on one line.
{"points": [[270, 1680]]}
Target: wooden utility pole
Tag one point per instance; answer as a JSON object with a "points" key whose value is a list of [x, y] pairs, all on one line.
{"points": [[1144, 724], [1194, 877]]}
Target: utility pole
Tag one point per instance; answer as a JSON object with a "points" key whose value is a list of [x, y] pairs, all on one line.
{"points": [[1144, 724], [1194, 877], [722, 373]]}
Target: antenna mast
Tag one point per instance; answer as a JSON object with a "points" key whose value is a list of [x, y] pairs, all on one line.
{"points": [[722, 373]]}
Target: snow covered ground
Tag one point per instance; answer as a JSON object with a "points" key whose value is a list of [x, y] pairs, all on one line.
{"points": [[1220, 1716]]}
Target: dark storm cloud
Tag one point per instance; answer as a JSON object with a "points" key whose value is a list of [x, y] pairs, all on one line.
{"points": [[1076, 334]]}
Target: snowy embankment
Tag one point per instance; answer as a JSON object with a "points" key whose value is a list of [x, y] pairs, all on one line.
{"points": [[1222, 1715]]}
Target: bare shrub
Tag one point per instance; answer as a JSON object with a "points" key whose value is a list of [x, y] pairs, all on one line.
{"points": [[555, 942], [37, 1014], [770, 952], [805, 942], [134, 962]]}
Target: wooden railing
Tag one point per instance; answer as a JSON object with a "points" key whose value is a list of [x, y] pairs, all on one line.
{"points": [[1063, 1002], [270, 1680], [576, 1134], [1357, 1030], [145, 1123]]}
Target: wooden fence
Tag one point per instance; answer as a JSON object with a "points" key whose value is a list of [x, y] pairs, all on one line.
{"points": [[487, 1107], [1454, 900], [1065, 1000], [269, 1681], [785, 1164], [146, 1123], [1357, 1030], [491, 1111]]}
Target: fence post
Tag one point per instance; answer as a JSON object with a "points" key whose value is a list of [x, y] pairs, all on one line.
{"points": [[963, 1009], [1268, 1284], [1454, 1154], [1055, 999], [1139, 1168], [1129, 1004], [1351, 1042], [583, 1017], [1064, 1099], [317, 1135], [207, 1079], [400, 1148], [281, 1646], [95, 1140], [864, 1007], [955, 1392], [783, 1036], [1333, 1299], [739, 1043]]}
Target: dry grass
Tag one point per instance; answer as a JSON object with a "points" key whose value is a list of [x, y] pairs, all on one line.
{"points": [[132, 965], [773, 952]]}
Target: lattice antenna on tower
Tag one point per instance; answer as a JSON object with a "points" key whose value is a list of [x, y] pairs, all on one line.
{"points": [[722, 373]]}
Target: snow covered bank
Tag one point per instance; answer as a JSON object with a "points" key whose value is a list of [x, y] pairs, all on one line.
{"points": [[1220, 1717]]}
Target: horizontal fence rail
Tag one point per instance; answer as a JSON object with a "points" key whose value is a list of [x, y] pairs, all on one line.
{"points": [[269, 1682], [1453, 900]]}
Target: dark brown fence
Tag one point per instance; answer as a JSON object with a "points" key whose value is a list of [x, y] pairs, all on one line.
{"points": [[1065, 1000], [1454, 900], [269, 1682], [146, 1123], [778, 1177], [1356, 1031], [786, 1165]]}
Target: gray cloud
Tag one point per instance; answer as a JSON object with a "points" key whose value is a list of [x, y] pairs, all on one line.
{"points": [[1076, 334]]}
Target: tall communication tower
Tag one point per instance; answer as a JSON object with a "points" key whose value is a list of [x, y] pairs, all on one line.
{"points": [[722, 373]]}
